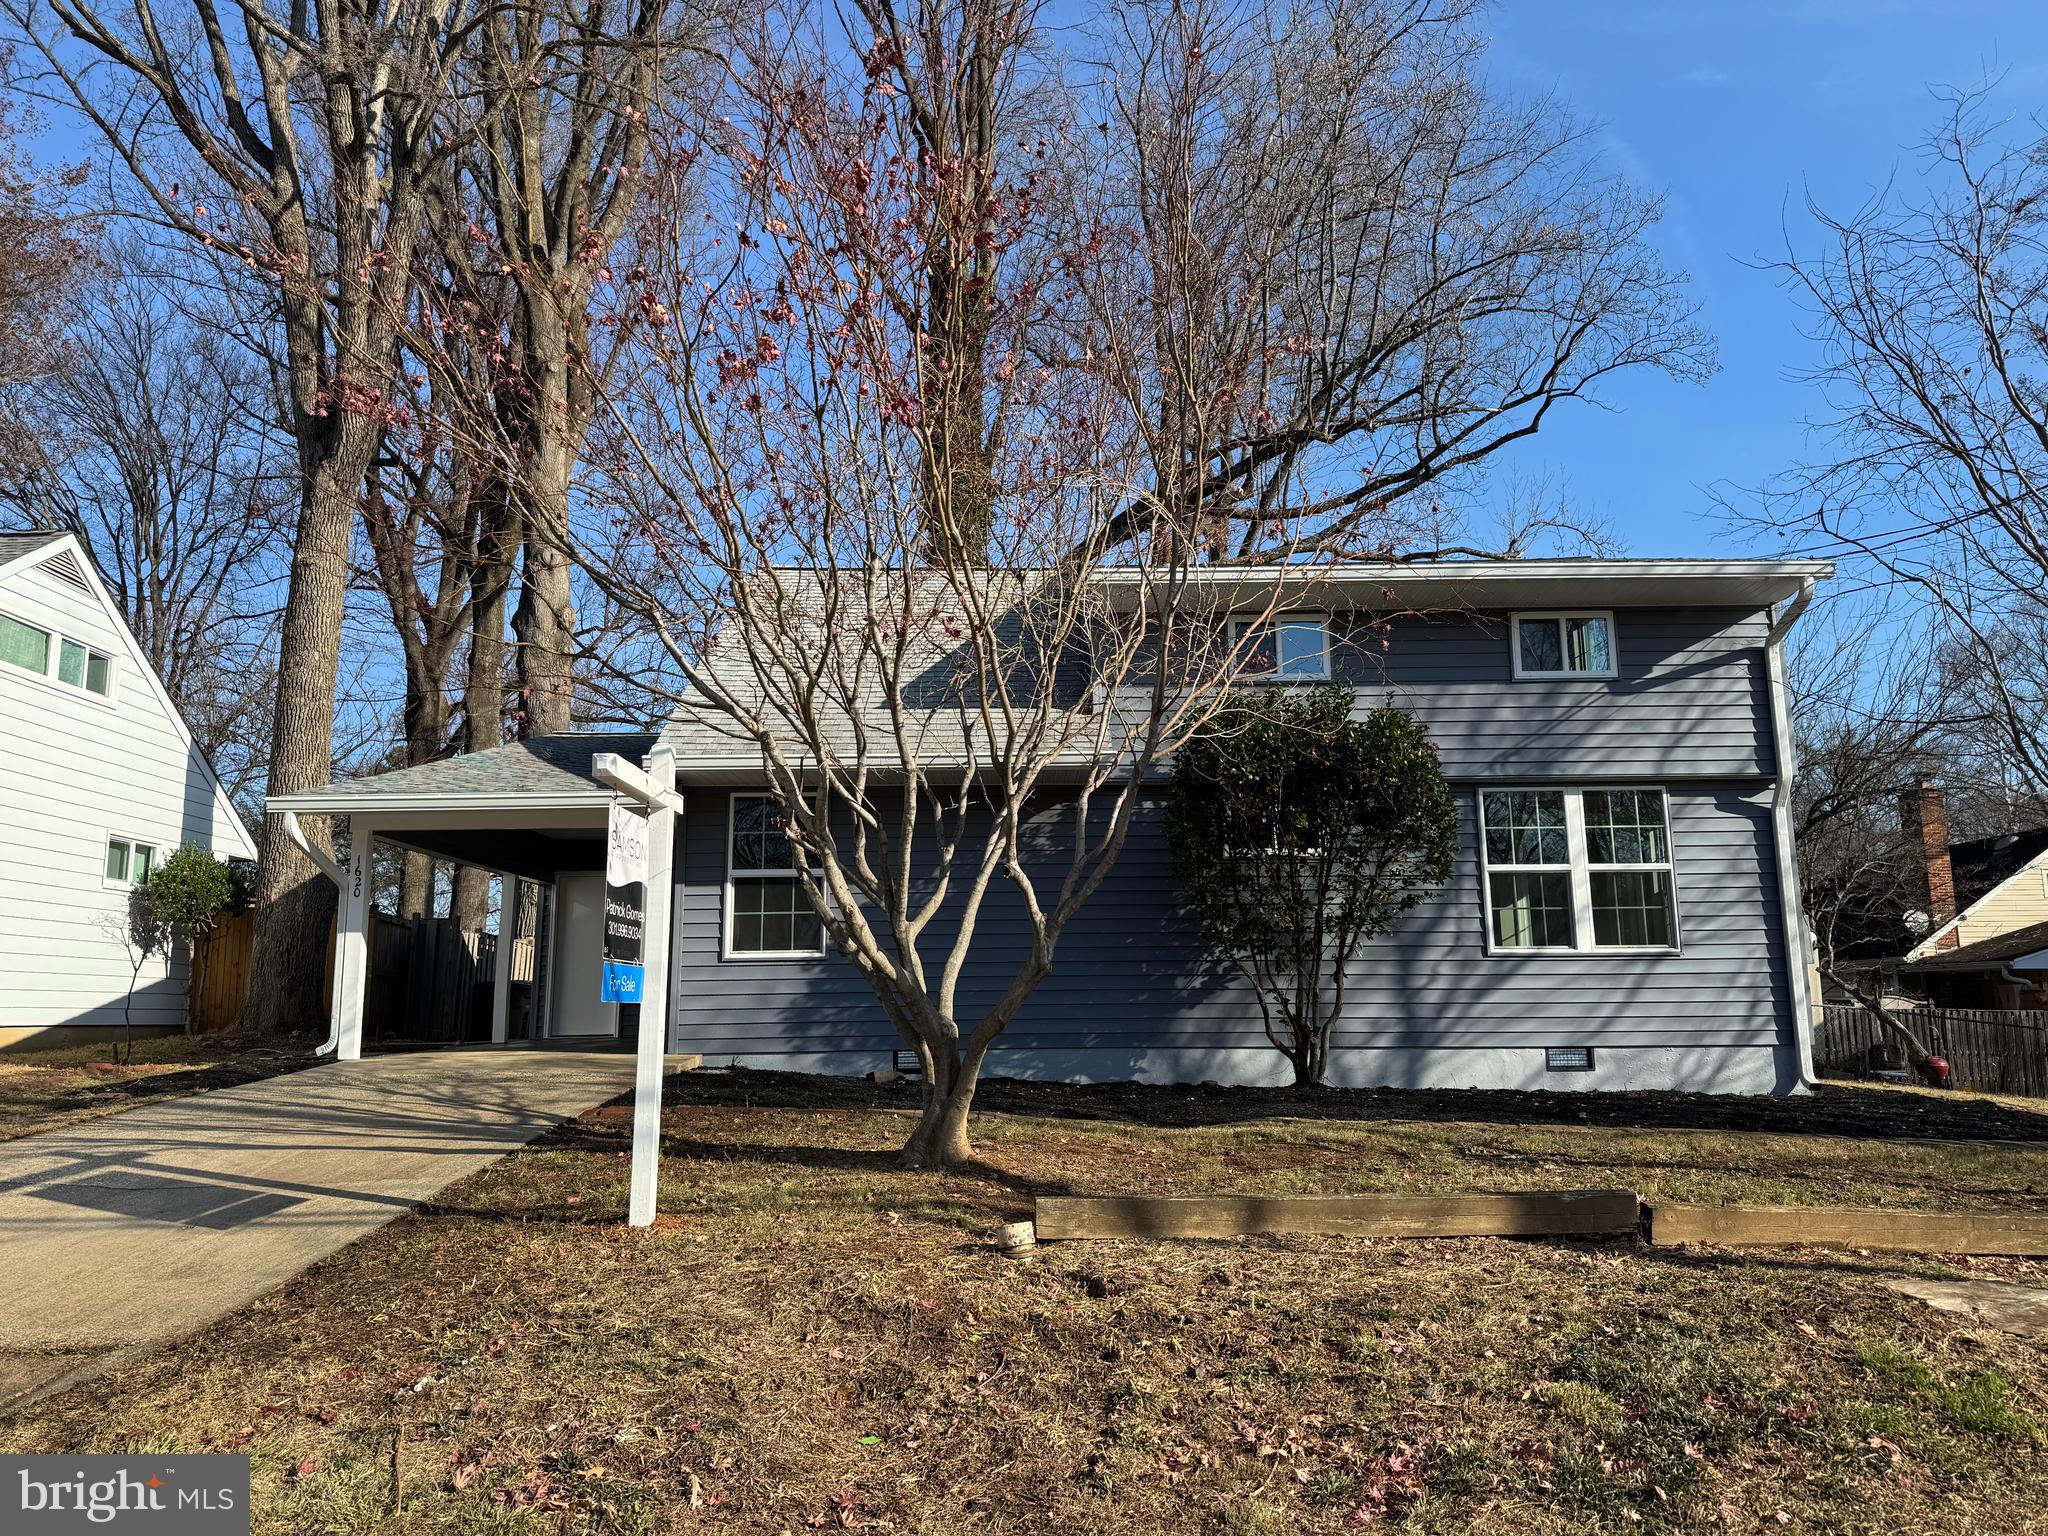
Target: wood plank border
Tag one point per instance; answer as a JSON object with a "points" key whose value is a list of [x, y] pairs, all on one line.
{"points": [[1740, 1226], [1535, 1214]]}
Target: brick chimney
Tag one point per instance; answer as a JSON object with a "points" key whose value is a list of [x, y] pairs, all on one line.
{"points": [[1924, 820]]}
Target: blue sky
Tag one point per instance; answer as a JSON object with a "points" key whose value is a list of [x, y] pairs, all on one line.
{"points": [[1735, 110]]}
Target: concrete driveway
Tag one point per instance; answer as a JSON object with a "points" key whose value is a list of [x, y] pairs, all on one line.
{"points": [[137, 1228]]}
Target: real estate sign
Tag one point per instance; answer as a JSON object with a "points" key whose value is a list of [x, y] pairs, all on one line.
{"points": [[625, 903]]}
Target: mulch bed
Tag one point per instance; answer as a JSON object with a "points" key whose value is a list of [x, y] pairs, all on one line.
{"points": [[1860, 1113]]}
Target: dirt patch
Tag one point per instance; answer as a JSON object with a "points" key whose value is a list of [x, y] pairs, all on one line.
{"points": [[1833, 1110]]}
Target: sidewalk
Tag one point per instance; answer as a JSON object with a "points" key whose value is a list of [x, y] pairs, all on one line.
{"points": [[133, 1229]]}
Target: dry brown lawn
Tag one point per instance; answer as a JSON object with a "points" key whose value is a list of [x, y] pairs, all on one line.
{"points": [[43, 1090], [812, 1339]]}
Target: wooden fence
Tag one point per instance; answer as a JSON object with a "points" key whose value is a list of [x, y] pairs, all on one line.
{"points": [[1990, 1050], [428, 980]]}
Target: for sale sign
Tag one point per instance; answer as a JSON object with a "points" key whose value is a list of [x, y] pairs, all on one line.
{"points": [[625, 903]]}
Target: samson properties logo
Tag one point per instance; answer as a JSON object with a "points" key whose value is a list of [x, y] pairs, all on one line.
{"points": [[162, 1495]]}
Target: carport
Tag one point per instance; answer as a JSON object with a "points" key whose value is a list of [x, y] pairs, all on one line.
{"points": [[533, 810]]}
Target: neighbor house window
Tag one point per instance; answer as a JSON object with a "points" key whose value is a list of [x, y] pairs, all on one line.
{"points": [[1564, 645], [32, 649], [23, 645], [1578, 869], [129, 862], [1291, 648], [767, 911]]}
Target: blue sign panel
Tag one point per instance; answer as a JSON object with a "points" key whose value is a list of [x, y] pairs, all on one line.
{"points": [[622, 981]]}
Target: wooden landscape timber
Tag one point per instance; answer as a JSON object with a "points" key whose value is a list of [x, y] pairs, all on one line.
{"points": [[1746, 1226], [1548, 1214]]}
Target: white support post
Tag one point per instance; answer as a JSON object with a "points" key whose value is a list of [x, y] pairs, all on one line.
{"points": [[654, 948], [501, 973], [352, 945]]}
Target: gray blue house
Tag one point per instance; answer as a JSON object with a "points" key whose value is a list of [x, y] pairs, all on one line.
{"points": [[1622, 914]]}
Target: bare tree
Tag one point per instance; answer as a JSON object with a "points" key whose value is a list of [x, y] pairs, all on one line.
{"points": [[914, 472], [310, 137], [150, 440], [1931, 306], [44, 250], [1341, 271], [1870, 730]]}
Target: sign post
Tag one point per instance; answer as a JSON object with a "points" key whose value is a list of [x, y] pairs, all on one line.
{"points": [[625, 904]]}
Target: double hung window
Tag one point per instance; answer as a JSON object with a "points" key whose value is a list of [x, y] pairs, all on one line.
{"points": [[767, 914], [1571, 869]]}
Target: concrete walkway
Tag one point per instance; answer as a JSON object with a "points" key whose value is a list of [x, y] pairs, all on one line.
{"points": [[137, 1228]]}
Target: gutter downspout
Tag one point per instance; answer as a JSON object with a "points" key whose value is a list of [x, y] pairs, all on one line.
{"points": [[1798, 943], [339, 876]]}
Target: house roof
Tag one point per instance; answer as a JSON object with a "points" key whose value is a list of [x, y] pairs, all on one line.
{"points": [[1983, 864], [837, 635], [15, 544], [554, 770], [1996, 952], [1503, 584]]}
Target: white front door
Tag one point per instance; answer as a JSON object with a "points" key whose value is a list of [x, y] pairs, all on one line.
{"points": [[579, 959]]}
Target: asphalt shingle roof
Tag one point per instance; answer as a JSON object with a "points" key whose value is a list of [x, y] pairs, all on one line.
{"points": [[1986, 953], [15, 545], [540, 766]]}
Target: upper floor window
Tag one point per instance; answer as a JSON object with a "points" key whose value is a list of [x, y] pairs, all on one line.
{"points": [[52, 656], [1293, 647], [1578, 869], [1564, 644], [129, 862], [767, 913]]}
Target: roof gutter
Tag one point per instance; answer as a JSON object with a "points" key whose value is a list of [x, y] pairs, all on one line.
{"points": [[1798, 943]]}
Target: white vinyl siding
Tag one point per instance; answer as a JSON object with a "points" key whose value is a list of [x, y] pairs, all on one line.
{"points": [[76, 769]]}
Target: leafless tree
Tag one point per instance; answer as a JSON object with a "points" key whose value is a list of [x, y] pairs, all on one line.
{"points": [[1931, 306], [150, 439], [937, 393], [1342, 271], [1870, 729], [299, 145]]}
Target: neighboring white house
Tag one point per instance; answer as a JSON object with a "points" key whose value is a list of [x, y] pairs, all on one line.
{"points": [[99, 780]]}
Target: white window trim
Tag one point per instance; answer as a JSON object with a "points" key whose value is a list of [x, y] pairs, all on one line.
{"points": [[725, 949], [48, 678], [155, 847], [1515, 644], [1581, 870], [1239, 625]]}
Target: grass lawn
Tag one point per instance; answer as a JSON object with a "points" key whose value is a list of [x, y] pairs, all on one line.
{"points": [[811, 1339], [42, 1090]]}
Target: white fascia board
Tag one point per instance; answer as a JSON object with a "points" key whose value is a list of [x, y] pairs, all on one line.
{"points": [[372, 804], [1497, 583]]}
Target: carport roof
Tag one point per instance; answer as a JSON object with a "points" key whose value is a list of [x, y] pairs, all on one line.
{"points": [[541, 771]]}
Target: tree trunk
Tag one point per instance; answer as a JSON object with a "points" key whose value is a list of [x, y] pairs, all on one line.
{"points": [[294, 901], [416, 886], [546, 621], [940, 1140], [1917, 1055], [470, 902]]}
